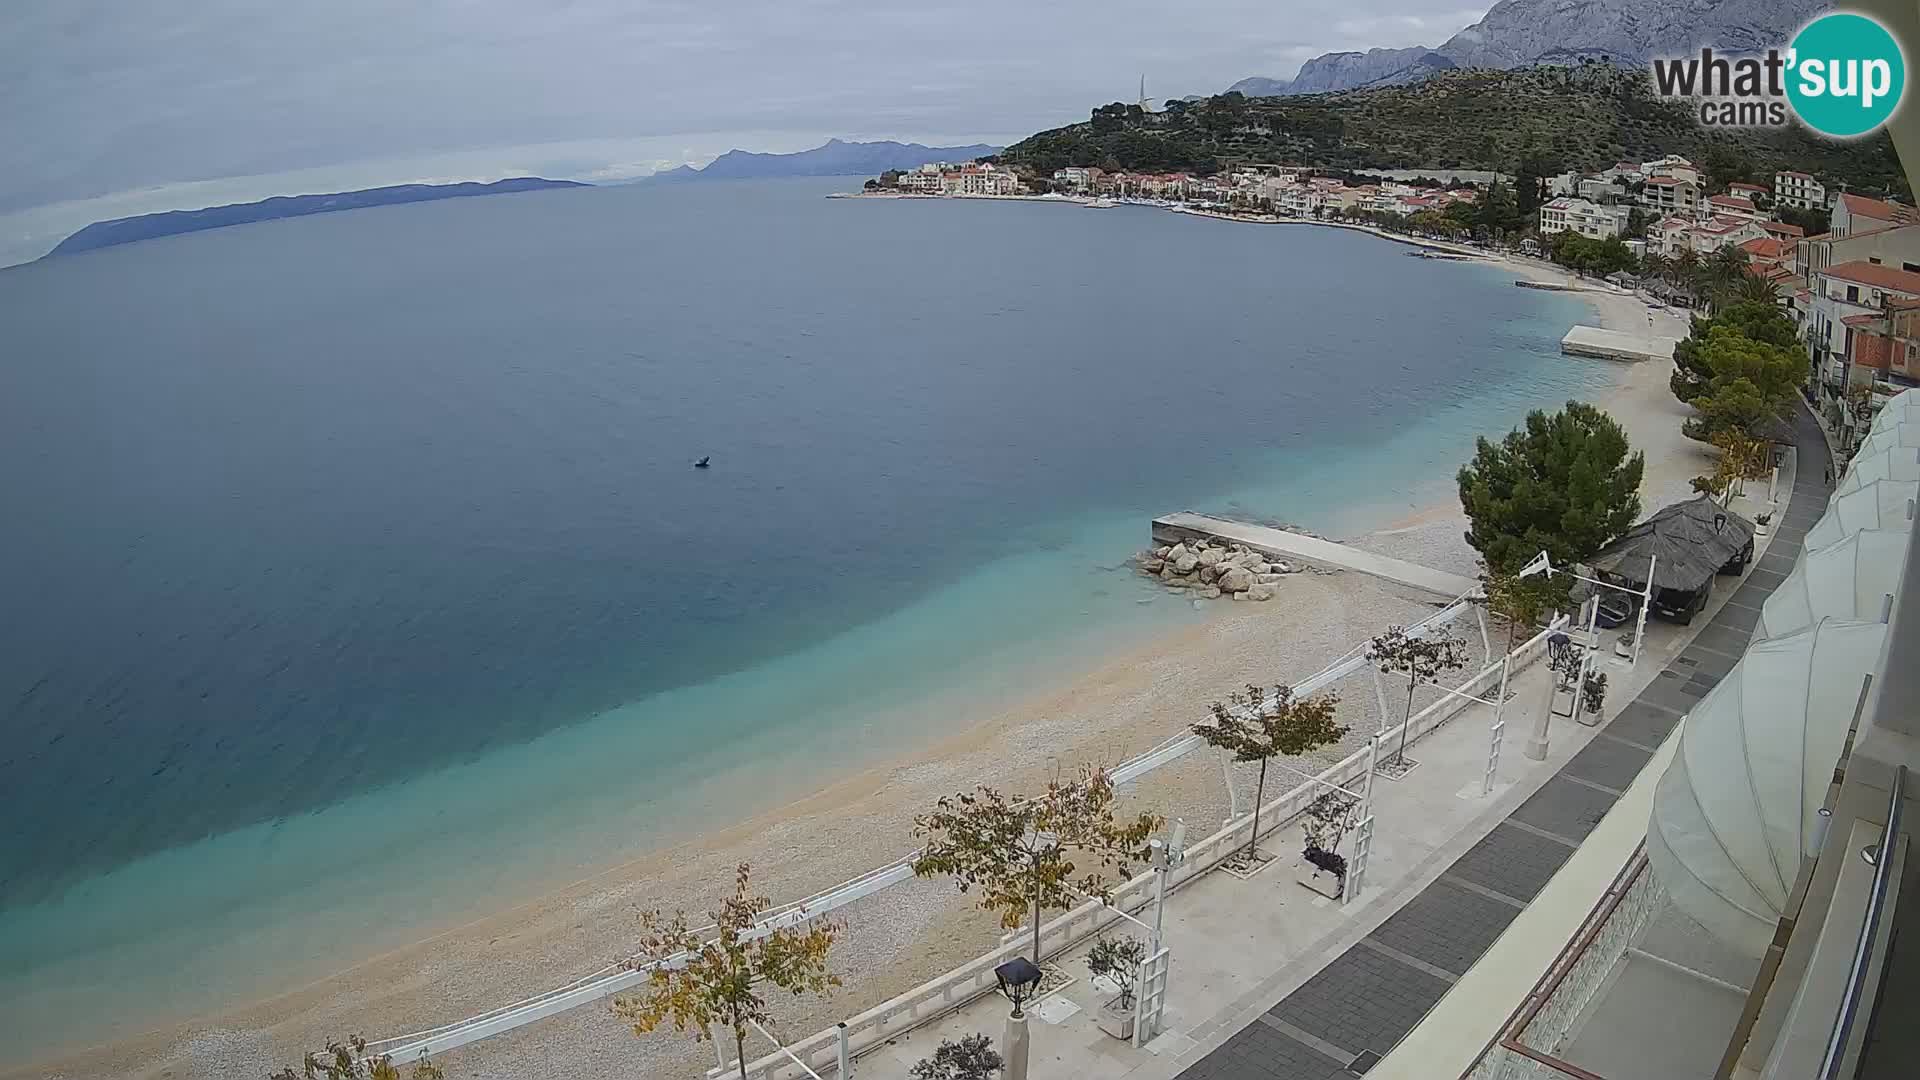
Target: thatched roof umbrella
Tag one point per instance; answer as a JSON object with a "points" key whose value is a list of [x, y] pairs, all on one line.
{"points": [[1687, 543]]}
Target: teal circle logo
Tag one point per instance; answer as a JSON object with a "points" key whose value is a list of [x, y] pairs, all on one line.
{"points": [[1846, 75]]}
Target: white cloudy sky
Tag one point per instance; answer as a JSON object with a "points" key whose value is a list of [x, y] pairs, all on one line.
{"points": [[105, 96]]}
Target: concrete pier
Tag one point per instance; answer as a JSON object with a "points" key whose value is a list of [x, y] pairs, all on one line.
{"points": [[1295, 547], [1616, 344]]}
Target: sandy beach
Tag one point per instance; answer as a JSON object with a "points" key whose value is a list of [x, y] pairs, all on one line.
{"points": [[1101, 711]]}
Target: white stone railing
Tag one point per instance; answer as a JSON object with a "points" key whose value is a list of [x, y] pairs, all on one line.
{"points": [[939, 997], [1528, 1045]]}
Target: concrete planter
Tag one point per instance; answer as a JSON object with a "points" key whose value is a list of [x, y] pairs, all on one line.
{"points": [[1116, 1019]]}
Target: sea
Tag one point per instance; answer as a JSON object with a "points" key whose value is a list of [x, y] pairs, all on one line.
{"points": [[356, 578]]}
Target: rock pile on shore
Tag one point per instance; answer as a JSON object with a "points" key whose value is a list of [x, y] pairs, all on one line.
{"points": [[1215, 569]]}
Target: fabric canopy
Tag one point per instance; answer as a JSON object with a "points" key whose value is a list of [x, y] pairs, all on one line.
{"points": [[1895, 437], [1687, 543], [1903, 409], [1847, 580], [1882, 504], [1895, 463], [1738, 807]]}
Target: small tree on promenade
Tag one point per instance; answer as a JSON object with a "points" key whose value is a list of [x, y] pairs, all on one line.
{"points": [[1254, 727], [702, 984], [1022, 853], [349, 1061], [1420, 659], [971, 1057]]}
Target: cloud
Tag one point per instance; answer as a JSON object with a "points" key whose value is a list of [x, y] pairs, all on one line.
{"points": [[104, 97]]}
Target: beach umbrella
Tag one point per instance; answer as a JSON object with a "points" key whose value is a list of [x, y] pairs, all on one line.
{"points": [[1881, 504], [1738, 807], [1688, 542], [1848, 580], [1899, 436], [1894, 463]]}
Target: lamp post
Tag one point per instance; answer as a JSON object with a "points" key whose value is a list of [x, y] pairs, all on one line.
{"points": [[1019, 979]]}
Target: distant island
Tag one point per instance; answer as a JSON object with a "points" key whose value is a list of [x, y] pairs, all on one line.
{"points": [[130, 230], [831, 158]]}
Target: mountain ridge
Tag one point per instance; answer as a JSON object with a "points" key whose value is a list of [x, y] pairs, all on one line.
{"points": [[1519, 33], [130, 230], [834, 157]]}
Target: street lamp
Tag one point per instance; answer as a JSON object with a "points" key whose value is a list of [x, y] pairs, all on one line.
{"points": [[1541, 564], [1019, 980]]}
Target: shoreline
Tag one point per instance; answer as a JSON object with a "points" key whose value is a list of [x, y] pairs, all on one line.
{"points": [[1102, 710]]}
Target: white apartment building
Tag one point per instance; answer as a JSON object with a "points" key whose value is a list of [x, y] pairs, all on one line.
{"points": [[1568, 214], [1732, 206], [979, 180], [1080, 177], [1671, 195], [1798, 189], [1671, 167]]}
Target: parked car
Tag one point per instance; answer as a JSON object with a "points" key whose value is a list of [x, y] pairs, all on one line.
{"points": [[1614, 610]]}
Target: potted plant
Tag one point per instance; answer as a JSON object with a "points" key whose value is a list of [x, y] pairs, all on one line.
{"points": [[1596, 693], [1325, 824], [972, 1057], [1623, 645], [1117, 960]]}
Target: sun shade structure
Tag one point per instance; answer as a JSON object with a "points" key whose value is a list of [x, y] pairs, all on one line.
{"points": [[1894, 438], [1882, 504], [1738, 807], [1692, 540], [1897, 463], [1904, 408], [1848, 580]]}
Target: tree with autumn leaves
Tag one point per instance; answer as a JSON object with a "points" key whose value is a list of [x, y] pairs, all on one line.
{"points": [[1022, 855], [1256, 726], [718, 977]]}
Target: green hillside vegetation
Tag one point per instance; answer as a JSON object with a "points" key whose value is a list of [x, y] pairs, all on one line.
{"points": [[1582, 117]]}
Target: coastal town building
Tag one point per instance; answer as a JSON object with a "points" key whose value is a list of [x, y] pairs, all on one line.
{"points": [[1749, 192], [1674, 234], [1854, 214], [1670, 195], [1601, 189], [1078, 177], [1799, 190], [1840, 296], [1732, 206], [1589, 219], [1672, 167]]}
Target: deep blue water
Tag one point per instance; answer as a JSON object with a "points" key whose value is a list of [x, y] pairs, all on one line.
{"points": [[389, 514]]}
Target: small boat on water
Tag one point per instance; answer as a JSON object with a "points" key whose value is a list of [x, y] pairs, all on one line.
{"points": [[1100, 204]]}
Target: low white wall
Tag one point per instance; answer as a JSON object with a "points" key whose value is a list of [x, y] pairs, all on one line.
{"points": [[937, 998]]}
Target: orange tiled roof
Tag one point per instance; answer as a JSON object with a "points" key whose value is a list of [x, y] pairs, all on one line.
{"points": [[1880, 277]]}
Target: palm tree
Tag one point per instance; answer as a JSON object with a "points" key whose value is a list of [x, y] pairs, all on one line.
{"points": [[1655, 267], [1755, 289], [1686, 272], [1722, 272]]}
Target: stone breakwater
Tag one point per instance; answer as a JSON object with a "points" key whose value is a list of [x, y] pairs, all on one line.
{"points": [[1215, 569]]}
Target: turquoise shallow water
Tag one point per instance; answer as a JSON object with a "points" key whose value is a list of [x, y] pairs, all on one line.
{"points": [[368, 542]]}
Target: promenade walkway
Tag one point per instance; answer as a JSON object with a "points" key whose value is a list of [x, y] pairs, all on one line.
{"points": [[1351, 1011], [1270, 980]]}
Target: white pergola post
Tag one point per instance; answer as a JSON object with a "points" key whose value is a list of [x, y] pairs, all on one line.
{"points": [[1363, 832], [1380, 698], [1498, 730], [1646, 604]]}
